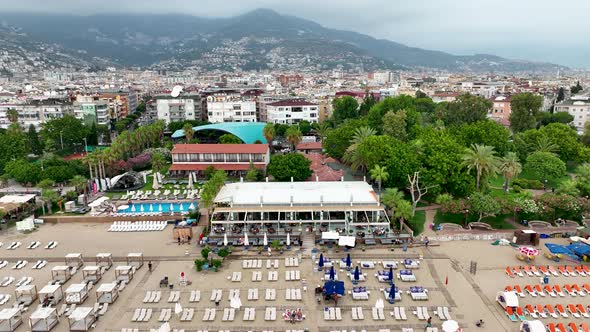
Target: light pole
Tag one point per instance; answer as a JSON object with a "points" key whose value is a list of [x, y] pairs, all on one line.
{"points": [[61, 139], [85, 146]]}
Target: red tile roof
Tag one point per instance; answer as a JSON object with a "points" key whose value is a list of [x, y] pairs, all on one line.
{"points": [[309, 146], [220, 148], [222, 166]]}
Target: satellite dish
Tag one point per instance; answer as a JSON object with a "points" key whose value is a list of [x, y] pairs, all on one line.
{"points": [[176, 91]]}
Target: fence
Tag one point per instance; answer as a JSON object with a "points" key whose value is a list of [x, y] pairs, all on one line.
{"points": [[470, 237]]}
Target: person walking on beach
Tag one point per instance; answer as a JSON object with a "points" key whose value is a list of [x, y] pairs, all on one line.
{"points": [[428, 323], [150, 266]]}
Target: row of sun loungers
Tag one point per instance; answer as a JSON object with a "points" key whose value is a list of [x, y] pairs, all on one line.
{"points": [[252, 294], [195, 296], [13, 246], [228, 315], [24, 281], [270, 313], [539, 311], [553, 291], [174, 297], [534, 271], [422, 313], [399, 313], [51, 245], [216, 295], [3, 264], [273, 276], [291, 262], [236, 276], [332, 313], [271, 294], [4, 298], [378, 313], [7, 281], [137, 226], [273, 263], [293, 294], [34, 245], [19, 265], [165, 315], [142, 315], [249, 314], [252, 264], [357, 313], [152, 297], [40, 264], [553, 327], [187, 314], [292, 275], [209, 315], [233, 293]]}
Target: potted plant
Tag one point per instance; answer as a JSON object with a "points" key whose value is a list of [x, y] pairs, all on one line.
{"points": [[260, 250], [216, 263], [363, 248]]}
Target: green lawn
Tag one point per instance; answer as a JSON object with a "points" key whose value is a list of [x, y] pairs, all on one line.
{"points": [[501, 194], [417, 222], [497, 181], [496, 222], [550, 184]]}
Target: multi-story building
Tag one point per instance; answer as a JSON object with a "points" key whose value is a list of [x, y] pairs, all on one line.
{"points": [[231, 108], [92, 109], [500, 111], [36, 112], [187, 106], [232, 158], [121, 102], [579, 108], [292, 111]]}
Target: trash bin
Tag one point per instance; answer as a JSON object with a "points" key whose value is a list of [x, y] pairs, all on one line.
{"points": [[546, 280], [405, 247]]}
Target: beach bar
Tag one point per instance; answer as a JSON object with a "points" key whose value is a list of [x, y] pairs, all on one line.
{"points": [[81, 319]]}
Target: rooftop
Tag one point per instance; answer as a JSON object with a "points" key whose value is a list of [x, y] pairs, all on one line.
{"points": [[295, 102], [220, 148], [298, 193], [248, 132]]}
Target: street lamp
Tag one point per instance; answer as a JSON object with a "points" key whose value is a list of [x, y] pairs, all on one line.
{"points": [[545, 185], [61, 139], [85, 146]]}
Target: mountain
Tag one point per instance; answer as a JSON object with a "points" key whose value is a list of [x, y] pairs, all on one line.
{"points": [[259, 39]]}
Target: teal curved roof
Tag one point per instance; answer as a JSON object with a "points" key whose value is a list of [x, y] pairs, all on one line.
{"points": [[248, 132]]}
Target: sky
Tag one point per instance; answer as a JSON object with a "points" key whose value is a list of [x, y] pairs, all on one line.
{"points": [[539, 30]]}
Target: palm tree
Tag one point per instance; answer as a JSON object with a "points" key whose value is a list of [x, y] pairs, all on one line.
{"points": [[158, 162], [391, 197], [47, 192], [510, 167], [544, 144], [80, 183], [293, 135], [361, 133], [269, 133], [188, 132], [403, 212], [483, 159], [323, 130], [352, 155], [12, 115], [379, 174]]}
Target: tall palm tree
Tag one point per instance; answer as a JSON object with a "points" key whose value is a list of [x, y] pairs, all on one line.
{"points": [[403, 212], [483, 159], [544, 144], [352, 155], [379, 174], [269, 133], [391, 197], [361, 133], [80, 183], [323, 130], [293, 135], [188, 132], [510, 167]]}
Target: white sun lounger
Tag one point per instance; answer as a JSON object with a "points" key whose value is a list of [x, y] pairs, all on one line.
{"points": [[174, 297], [271, 294], [270, 314], [195, 296], [252, 294]]}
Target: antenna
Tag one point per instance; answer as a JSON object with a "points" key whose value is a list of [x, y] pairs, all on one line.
{"points": [[176, 91]]}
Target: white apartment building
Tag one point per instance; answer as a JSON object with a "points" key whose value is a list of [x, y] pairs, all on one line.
{"points": [[231, 108], [187, 106], [579, 108], [36, 112], [292, 111]]}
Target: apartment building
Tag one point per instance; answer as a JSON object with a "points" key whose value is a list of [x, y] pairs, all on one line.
{"points": [[501, 110], [579, 108], [231, 108], [120, 102], [36, 112], [187, 106], [292, 111], [92, 109]]}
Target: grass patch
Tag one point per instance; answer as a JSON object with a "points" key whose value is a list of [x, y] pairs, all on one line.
{"points": [[417, 222], [499, 193], [497, 181], [550, 183]]}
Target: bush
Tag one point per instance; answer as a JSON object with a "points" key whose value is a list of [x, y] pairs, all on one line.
{"points": [[199, 264], [205, 253], [223, 252], [527, 184], [71, 195], [216, 263]]}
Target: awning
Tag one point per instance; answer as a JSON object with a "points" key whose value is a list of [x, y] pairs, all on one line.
{"points": [[222, 166], [348, 241], [8, 313], [330, 235]]}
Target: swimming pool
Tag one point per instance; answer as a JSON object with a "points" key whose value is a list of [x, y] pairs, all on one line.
{"points": [[164, 207]]}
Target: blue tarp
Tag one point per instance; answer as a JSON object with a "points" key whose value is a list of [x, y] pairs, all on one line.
{"points": [[559, 249], [332, 287], [580, 249]]}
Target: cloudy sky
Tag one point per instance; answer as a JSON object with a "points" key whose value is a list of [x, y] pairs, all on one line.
{"points": [[544, 30]]}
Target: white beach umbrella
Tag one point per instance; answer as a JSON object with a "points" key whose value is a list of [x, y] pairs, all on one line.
{"points": [[246, 242], [164, 328], [288, 239], [151, 207], [265, 240], [160, 207], [133, 208], [141, 209], [177, 308], [235, 302], [450, 326], [155, 183], [225, 239], [190, 182]]}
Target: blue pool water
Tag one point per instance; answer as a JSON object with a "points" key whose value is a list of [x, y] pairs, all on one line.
{"points": [[159, 207]]}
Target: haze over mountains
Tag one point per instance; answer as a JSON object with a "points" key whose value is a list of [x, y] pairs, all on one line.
{"points": [[260, 39]]}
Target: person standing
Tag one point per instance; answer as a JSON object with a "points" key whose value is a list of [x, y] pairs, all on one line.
{"points": [[428, 323], [150, 266]]}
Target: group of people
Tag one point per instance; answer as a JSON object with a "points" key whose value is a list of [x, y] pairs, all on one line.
{"points": [[294, 315]]}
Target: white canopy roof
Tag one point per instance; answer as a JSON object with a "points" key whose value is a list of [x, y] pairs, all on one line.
{"points": [[511, 299], [49, 289], [98, 202], [347, 241], [16, 199], [91, 268], [135, 254], [104, 254], [330, 235], [123, 268], [42, 313], [534, 326], [8, 313], [80, 313], [298, 193], [76, 288], [60, 268], [24, 288], [74, 255], [106, 287]]}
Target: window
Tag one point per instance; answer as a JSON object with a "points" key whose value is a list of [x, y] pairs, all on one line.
{"points": [[237, 107], [287, 115], [313, 115], [244, 157]]}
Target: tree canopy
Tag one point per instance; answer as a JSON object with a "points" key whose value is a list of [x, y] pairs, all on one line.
{"points": [[344, 108], [283, 167], [525, 108]]}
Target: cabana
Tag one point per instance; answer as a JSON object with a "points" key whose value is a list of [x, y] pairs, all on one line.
{"points": [[107, 293], [532, 326], [43, 319], [92, 274], [76, 293], [61, 274], [50, 294], [104, 259], [507, 299], [124, 273], [10, 319], [135, 259], [81, 319], [26, 294], [74, 260]]}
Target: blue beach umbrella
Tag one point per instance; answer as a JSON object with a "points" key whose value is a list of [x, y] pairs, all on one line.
{"points": [[332, 273], [321, 261], [348, 261], [357, 274], [391, 274], [391, 296]]}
